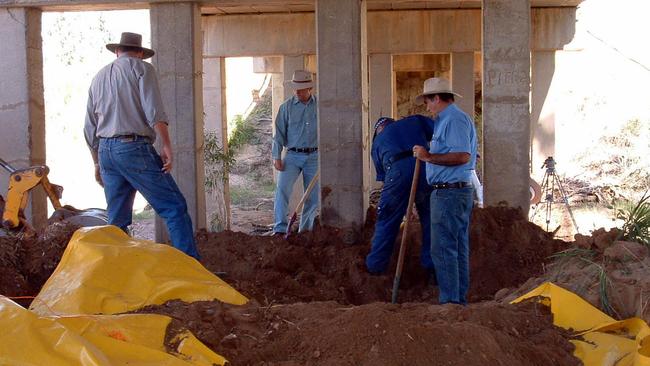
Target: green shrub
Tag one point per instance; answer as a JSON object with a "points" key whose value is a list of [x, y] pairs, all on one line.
{"points": [[218, 162], [242, 133], [636, 217]]}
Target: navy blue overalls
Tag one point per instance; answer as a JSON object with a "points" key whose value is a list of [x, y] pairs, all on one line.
{"points": [[392, 154]]}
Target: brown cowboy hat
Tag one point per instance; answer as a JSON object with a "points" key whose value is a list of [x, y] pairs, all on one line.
{"points": [[129, 39]]}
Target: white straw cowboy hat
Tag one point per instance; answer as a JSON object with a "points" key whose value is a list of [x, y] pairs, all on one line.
{"points": [[301, 80], [435, 86], [129, 39]]}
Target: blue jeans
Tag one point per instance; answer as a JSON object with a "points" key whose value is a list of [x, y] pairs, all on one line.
{"points": [[127, 167], [392, 208], [294, 164], [451, 210]]}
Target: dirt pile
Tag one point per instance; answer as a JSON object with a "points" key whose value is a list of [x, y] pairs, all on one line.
{"points": [[506, 250], [612, 275], [27, 262], [312, 303], [327, 333]]}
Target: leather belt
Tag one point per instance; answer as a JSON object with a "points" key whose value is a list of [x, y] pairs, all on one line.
{"points": [[305, 150], [450, 185], [131, 138]]}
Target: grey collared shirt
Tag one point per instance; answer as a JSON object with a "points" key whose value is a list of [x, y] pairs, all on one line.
{"points": [[123, 99]]}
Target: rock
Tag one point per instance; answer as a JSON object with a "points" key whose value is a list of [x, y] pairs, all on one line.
{"points": [[624, 251], [584, 241], [502, 293], [603, 239], [230, 341]]}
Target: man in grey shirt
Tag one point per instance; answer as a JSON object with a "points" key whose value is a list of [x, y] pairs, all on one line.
{"points": [[123, 117]]}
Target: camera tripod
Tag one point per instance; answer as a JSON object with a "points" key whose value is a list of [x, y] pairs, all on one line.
{"points": [[549, 183]]}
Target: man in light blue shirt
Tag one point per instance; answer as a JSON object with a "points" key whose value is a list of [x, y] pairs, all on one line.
{"points": [[450, 161], [296, 129]]}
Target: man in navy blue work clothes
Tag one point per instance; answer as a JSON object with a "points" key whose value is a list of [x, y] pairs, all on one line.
{"points": [[450, 161], [392, 155]]}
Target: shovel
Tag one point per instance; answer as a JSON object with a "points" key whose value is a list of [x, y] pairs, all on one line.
{"points": [[301, 203], [402, 248]]}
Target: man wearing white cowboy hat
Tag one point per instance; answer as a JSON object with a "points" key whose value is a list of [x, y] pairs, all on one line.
{"points": [[123, 117], [296, 129], [450, 161]]}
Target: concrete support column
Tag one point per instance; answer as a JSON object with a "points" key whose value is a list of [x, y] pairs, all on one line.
{"points": [[289, 65], [342, 111], [277, 96], [216, 123], [542, 119], [380, 95], [506, 91], [176, 38], [462, 79], [22, 140]]}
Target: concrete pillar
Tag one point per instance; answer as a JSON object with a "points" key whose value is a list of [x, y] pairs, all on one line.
{"points": [[22, 140], [216, 122], [277, 96], [542, 119], [342, 111], [289, 65], [506, 90], [176, 38], [462, 79], [380, 95]]}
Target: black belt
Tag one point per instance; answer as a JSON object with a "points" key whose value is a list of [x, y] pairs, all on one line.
{"points": [[131, 138], [306, 150], [450, 185], [401, 155]]}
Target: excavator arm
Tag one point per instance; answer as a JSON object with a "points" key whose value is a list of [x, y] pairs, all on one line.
{"points": [[22, 181]]}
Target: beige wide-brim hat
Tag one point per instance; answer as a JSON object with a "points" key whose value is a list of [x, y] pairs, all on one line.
{"points": [[129, 39], [435, 86], [301, 80]]}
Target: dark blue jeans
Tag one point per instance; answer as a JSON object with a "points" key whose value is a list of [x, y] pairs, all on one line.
{"points": [[451, 210], [390, 212], [127, 167]]}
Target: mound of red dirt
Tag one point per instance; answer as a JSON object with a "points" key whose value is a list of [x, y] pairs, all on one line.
{"points": [[506, 250], [327, 333], [611, 274], [27, 262], [314, 304]]}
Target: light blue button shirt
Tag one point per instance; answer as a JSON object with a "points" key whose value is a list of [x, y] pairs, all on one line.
{"points": [[453, 132], [296, 126]]}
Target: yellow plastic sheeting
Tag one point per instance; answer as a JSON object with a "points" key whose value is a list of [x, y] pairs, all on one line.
{"points": [[102, 340], [603, 341], [104, 271], [569, 310]]}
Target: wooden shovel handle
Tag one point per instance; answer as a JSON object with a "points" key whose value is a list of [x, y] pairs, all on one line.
{"points": [[402, 248]]}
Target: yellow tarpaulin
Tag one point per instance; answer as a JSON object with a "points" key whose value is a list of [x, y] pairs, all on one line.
{"points": [[104, 271], [601, 341], [100, 340]]}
